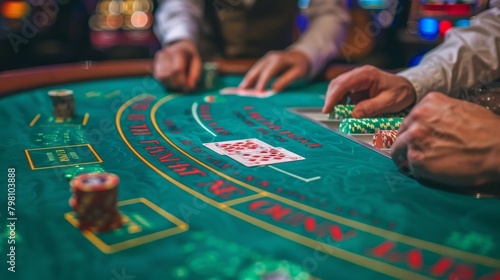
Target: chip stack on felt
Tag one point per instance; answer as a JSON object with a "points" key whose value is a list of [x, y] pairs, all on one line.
{"points": [[370, 125], [64, 103], [341, 112], [384, 139], [94, 200], [210, 74]]}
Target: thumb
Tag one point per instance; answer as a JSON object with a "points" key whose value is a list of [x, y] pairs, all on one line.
{"points": [[287, 78], [374, 106], [194, 70]]}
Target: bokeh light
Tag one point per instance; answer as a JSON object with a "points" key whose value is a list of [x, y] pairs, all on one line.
{"points": [[14, 9]]}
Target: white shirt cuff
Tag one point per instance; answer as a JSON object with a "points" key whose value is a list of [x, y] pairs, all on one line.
{"points": [[424, 78]]}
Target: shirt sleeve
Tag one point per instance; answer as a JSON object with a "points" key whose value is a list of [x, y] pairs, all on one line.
{"points": [[178, 19], [468, 56], [328, 22]]}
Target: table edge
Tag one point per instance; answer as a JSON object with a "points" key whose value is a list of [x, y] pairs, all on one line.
{"points": [[25, 79]]}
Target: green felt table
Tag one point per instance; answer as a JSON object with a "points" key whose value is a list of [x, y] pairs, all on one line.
{"points": [[345, 212]]}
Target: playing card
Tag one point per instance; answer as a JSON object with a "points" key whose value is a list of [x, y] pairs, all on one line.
{"points": [[214, 148], [243, 145], [290, 154], [253, 152], [257, 93], [265, 157], [248, 92], [230, 90]]}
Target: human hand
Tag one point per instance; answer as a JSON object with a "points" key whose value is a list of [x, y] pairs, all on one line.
{"points": [[449, 141], [288, 65], [388, 93], [178, 66]]}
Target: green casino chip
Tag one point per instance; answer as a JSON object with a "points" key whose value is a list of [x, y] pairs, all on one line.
{"points": [[341, 112], [210, 75], [273, 269], [364, 126]]}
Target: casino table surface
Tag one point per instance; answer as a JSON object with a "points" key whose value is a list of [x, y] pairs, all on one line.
{"points": [[345, 212]]}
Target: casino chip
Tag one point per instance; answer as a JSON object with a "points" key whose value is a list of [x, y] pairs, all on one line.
{"points": [[383, 139], [214, 99], [369, 125], [210, 74], [341, 111], [274, 270], [64, 103], [94, 200]]}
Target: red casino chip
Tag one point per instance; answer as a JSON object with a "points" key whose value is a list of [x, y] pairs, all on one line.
{"points": [[94, 200], [383, 139]]}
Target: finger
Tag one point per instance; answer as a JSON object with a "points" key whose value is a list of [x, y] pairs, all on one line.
{"points": [[399, 152], [414, 142], [415, 116], [286, 78], [415, 159], [334, 94], [271, 69], [405, 124], [179, 72], [352, 81], [374, 106], [194, 71], [176, 82], [160, 70], [252, 75]]}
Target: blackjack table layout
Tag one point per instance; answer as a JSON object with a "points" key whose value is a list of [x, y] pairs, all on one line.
{"points": [[339, 210]]}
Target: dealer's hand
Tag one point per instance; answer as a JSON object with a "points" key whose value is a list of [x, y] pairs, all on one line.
{"points": [[449, 141], [288, 65], [388, 93], [178, 65]]}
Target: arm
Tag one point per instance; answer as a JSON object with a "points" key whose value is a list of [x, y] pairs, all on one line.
{"points": [[178, 64], [304, 59], [328, 22], [178, 19], [468, 56]]}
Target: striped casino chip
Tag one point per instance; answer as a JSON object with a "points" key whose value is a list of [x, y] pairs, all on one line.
{"points": [[94, 200], [210, 75], [341, 111], [369, 125], [384, 139]]}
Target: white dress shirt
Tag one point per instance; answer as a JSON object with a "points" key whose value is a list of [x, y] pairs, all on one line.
{"points": [[328, 21], [468, 56]]}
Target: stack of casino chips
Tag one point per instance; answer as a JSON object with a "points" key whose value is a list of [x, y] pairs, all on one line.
{"points": [[64, 103], [383, 139], [371, 125], [341, 112], [210, 74], [94, 200]]}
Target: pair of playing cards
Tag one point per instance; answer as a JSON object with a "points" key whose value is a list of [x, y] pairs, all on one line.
{"points": [[253, 152], [247, 92]]}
